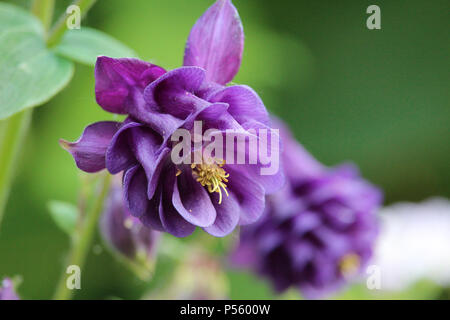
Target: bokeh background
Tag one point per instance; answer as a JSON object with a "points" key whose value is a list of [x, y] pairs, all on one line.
{"points": [[379, 98]]}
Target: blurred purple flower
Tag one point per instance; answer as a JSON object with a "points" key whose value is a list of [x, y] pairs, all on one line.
{"points": [[126, 235], [317, 232], [176, 199], [7, 290]]}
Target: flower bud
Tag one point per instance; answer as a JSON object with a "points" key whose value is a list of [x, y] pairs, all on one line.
{"points": [[133, 242]]}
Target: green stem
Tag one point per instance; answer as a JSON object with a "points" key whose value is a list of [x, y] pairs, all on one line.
{"points": [[13, 132], [60, 27], [43, 9], [82, 239]]}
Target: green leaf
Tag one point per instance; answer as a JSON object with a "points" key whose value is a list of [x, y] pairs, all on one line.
{"points": [[85, 45], [30, 74], [64, 215], [12, 16]]}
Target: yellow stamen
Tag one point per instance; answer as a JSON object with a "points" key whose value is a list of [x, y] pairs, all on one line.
{"points": [[349, 264], [178, 173], [212, 176]]}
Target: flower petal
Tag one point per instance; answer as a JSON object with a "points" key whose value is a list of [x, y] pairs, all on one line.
{"points": [[227, 216], [119, 156], [135, 191], [173, 93], [298, 164], [249, 194], [192, 200], [171, 219], [89, 151], [151, 218], [213, 116], [172, 222], [244, 103], [146, 145], [216, 43], [117, 79], [269, 175]]}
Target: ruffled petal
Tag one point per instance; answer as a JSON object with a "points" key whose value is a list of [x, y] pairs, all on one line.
{"points": [[117, 80], [244, 103], [173, 93], [171, 219], [119, 156], [249, 195], [227, 216], [135, 191], [89, 151], [192, 200], [216, 43], [211, 115], [269, 175], [146, 146], [151, 218], [297, 162]]}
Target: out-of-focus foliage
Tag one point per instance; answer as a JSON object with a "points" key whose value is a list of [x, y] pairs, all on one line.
{"points": [[379, 98], [64, 215], [86, 44], [31, 73]]}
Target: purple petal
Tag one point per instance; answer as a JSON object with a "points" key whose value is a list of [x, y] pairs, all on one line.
{"points": [[151, 218], [213, 112], [245, 104], [298, 164], [227, 215], [117, 79], [301, 252], [173, 93], [271, 181], [192, 200], [153, 172], [216, 43], [89, 151], [146, 145], [119, 156], [215, 116], [171, 220], [275, 180], [120, 85], [305, 221], [135, 191], [249, 194]]}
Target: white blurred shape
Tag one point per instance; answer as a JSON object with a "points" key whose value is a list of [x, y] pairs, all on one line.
{"points": [[414, 244]]}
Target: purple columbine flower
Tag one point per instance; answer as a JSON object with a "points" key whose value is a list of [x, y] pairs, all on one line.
{"points": [[317, 232], [7, 290], [126, 235], [215, 195]]}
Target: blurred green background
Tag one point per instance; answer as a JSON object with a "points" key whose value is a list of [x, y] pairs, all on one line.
{"points": [[379, 98]]}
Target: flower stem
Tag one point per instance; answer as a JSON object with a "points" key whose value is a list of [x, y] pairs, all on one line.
{"points": [[60, 27], [12, 134], [82, 239]]}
